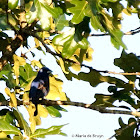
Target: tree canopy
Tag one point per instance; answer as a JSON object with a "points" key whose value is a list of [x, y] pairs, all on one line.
{"points": [[61, 28]]}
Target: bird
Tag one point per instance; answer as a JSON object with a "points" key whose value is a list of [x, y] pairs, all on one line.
{"points": [[39, 87]]}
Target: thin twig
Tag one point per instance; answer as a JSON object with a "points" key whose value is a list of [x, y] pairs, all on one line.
{"points": [[111, 72], [131, 32], [120, 131], [137, 129], [122, 73], [98, 34]]}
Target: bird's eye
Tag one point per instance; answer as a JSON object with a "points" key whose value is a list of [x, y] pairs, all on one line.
{"points": [[41, 70]]}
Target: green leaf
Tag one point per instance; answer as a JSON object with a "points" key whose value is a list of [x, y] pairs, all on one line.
{"points": [[12, 4], [7, 75], [53, 111], [8, 129], [43, 12], [116, 34], [100, 19], [121, 123], [61, 22], [104, 100], [123, 95], [60, 108], [129, 63], [78, 10], [3, 112], [26, 74], [2, 98], [53, 130], [93, 11], [10, 118], [70, 42], [116, 38], [3, 4], [95, 78], [2, 34], [32, 14], [22, 123], [7, 116], [20, 137], [55, 12], [108, 100], [126, 131], [3, 22]]}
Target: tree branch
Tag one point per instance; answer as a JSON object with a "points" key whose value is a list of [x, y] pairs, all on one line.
{"points": [[137, 129], [47, 48], [10, 50], [119, 132], [131, 32], [111, 72], [69, 60], [78, 104]]}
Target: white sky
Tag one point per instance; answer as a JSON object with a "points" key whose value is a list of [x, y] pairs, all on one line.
{"points": [[84, 121]]}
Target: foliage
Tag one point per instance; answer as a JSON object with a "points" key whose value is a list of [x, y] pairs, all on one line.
{"points": [[64, 27]]}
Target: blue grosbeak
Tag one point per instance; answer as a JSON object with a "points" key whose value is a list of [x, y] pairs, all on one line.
{"points": [[39, 87]]}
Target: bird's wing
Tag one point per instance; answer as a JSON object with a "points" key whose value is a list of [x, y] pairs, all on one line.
{"points": [[42, 87], [38, 87], [34, 88]]}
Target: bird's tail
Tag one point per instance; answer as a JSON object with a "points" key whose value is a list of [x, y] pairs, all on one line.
{"points": [[36, 110]]}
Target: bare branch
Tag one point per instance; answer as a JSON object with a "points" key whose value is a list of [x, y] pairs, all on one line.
{"points": [[89, 106], [78, 104]]}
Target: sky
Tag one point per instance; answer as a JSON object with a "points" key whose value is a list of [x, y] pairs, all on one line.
{"points": [[90, 124]]}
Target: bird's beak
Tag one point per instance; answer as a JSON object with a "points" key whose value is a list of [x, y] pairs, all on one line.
{"points": [[49, 71]]}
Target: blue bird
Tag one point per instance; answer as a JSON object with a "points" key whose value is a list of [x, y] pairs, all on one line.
{"points": [[39, 87]]}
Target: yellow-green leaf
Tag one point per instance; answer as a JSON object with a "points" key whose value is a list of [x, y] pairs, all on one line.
{"points": [[18, 61], [22, 123], [7, 129], [13, 100], [36, 63], [27, 88], [56, 89], [61, 63], [42, 111]]}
